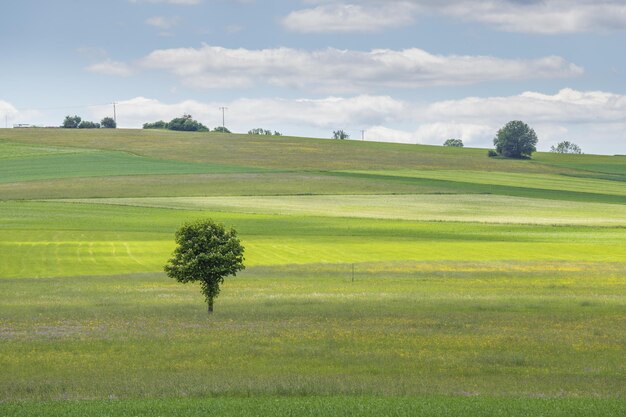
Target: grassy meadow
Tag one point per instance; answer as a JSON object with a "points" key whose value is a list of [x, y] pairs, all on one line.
{"points": [[381, 279]]}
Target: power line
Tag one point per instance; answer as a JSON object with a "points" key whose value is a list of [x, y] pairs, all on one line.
{"points": [[223, 109], [83, 106]]}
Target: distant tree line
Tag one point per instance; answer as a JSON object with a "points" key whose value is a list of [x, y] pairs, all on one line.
{"points": [[455, 143], [340, 135], [76, 122], [265, 132], [566, 147], [185, 123], [517, 140]]}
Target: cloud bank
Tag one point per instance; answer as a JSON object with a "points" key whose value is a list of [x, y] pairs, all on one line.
{"points": [[528, 16], [595, 120], [336, 70]]}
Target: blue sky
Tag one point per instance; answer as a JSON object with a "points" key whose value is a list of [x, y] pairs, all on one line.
{"points": [[414, 71]]}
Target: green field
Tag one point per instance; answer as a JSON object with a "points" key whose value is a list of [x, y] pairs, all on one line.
{"points": [[381, 279]]}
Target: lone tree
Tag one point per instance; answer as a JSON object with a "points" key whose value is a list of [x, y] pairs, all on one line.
{"points": [[516, 140], [71, 122], [261, 131], [455, 143], [340, 134], [206, 253], [108, 123], [186, 123], [566, 147]]}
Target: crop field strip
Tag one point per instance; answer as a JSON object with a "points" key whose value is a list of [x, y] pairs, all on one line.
{"points": [[31, 165], [478, 284]]}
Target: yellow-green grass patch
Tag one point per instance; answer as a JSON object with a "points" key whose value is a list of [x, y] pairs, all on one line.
{"points": [[66, 239], [457, 208]]}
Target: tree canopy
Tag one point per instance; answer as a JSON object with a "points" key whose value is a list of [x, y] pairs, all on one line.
{"points": [[76, 122], [455, 143], [206, 252], [340, 134], [108, 123], [71, 122], [88, 125], [566, 147], [516, 140], [185, 123], [261, 131], [156, 125]]}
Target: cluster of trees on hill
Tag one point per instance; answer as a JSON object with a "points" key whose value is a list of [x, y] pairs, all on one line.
{"points": [[266, 132], [518, 140], [515, 140], [186, 123], [454, 143], [76, 122], [340, 135], [566, 147]]}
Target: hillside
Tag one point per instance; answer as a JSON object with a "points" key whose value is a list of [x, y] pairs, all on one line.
{"points": [[132, 162], [404, 276]]}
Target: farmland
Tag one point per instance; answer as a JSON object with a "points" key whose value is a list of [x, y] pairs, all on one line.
{"points": [[416, 279]]}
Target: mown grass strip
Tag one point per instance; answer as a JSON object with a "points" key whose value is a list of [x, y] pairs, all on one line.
{"points": [[457, 187], [99, 163]]}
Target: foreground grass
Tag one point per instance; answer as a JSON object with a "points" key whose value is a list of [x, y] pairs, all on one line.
{"points": [[398, 329], [432, 406]]}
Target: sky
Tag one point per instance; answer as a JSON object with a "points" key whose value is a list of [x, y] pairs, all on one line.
{"points": [[410, 71]]}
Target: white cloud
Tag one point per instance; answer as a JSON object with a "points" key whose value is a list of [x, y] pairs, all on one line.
{"points": [[567, 106], [10, 115], [595, 120], [386, 134], [325, 113], [349, 18], [7, 110], [531, 16], [546, 17], [110, 67], [335, 70], [163, 22]]}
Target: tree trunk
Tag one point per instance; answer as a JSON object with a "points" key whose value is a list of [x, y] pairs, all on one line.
{"points": [[210, 306]]}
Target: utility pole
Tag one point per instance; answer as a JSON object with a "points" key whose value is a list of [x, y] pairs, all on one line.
{"points": [[115, 113], [223, 109], [362, 134]]}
